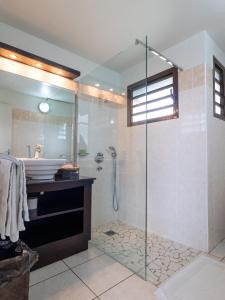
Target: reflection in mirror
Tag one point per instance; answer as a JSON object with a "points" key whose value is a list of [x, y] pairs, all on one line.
{"points": [[23, 124]]}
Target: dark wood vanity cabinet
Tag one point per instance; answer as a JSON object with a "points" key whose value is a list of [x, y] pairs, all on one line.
{"points": [[60, 225]]}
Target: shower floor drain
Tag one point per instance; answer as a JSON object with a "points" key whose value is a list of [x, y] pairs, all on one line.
{"points": [[110, 233]]}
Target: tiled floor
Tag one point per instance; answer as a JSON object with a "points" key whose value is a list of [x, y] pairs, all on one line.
{"points": [[94, 275], [164, 258], [88, 275]]}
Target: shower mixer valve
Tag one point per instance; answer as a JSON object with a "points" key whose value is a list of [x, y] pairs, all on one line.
{"points": [[99, 157], [99, 168]]}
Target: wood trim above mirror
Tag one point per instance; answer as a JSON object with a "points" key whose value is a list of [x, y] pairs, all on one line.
{"points": [[36, 61]]}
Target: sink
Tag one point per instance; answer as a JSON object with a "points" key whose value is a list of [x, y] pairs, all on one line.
{"points": [[42, 169]]}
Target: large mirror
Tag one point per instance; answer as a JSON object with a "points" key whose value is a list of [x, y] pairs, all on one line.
{"points": [[25, 123]]}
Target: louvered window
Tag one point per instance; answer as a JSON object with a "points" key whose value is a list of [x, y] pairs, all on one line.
{"points": [[155, 98], [219, 95]]}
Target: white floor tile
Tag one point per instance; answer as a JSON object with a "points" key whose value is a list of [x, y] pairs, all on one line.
{"points": [[102, 273], [219, 251], [65, 286], [133, 288], [82, 257], [47, 271]]}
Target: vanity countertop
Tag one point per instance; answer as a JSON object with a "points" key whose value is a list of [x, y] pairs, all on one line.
{"points": [[59, 180], [57, 184]]}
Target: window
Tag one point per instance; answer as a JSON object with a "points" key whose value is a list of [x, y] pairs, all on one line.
{"points": [[161, 94], [218, 90]]}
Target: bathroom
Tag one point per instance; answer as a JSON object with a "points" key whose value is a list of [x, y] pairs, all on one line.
{"points": [[152, 192]]}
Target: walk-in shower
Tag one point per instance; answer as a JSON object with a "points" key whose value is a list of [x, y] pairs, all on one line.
{"points": [[115, 200], [130, 194]]}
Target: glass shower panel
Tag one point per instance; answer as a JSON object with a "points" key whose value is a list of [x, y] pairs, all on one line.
{"points": [[114, 153]]}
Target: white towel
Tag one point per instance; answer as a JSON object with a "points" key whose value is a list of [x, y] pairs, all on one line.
{"points": [[13, 199], [5, 175]]}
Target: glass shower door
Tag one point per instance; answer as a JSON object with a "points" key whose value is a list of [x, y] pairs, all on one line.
{"points": [[112, 150]]}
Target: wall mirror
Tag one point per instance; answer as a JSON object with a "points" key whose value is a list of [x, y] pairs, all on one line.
{"points": [[33, 112]]}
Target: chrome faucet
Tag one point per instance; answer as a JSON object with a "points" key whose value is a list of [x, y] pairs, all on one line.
{"points": [[37, 151]]}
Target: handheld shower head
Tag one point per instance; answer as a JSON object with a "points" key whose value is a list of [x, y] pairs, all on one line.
{"points": [[112, 151]]}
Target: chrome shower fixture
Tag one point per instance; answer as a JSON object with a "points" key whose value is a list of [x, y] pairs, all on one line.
{"points": [[115, 200], [157, 53], [112, 151]]}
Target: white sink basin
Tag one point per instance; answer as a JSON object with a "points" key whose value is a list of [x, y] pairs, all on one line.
{"points": [[42, 169]]}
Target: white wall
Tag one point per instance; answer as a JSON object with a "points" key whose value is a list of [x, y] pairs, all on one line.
{"points": [[216, 157], [30, 43]]}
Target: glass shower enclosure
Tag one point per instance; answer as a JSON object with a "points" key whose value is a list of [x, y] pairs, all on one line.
{"points": [[115, 154]]}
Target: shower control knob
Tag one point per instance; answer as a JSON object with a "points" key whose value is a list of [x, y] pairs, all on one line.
{"points": [[99, 157], [99, 168]]}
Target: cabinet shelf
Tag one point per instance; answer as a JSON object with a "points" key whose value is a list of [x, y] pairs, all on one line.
{"points": [[37, 217], [46, 230], [61, 224]]}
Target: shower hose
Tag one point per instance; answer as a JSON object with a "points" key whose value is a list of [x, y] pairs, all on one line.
{"points": [[115, 199]]}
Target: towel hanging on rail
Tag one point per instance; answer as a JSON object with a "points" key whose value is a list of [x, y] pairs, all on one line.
{"points": [[13, 197]]}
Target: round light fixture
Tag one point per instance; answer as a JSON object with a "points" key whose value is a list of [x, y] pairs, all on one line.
{"points": [[44, 107]]}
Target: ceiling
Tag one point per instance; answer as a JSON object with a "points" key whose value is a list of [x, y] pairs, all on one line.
{"points": [[99, 29]]}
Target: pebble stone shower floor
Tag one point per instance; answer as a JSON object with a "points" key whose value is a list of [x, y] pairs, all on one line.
{"points": [[127, 246]]}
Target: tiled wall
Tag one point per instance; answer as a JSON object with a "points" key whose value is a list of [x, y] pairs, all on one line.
{"points": [[96, 132], [216, 169], [52, 131], [177, 168]]}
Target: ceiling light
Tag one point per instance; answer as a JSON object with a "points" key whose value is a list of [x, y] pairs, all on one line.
{"points": [[155, 53], [59, 72], [97, 85], [123, 94], [163, 58], [111, 90], [13, 56], [170, 63], [39, 65]]}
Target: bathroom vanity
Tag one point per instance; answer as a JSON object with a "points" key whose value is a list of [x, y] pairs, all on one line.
{"points": [[60, 226]]}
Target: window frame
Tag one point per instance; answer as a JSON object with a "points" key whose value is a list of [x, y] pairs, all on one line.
{"points": [[151, 80], [217, 65]]}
